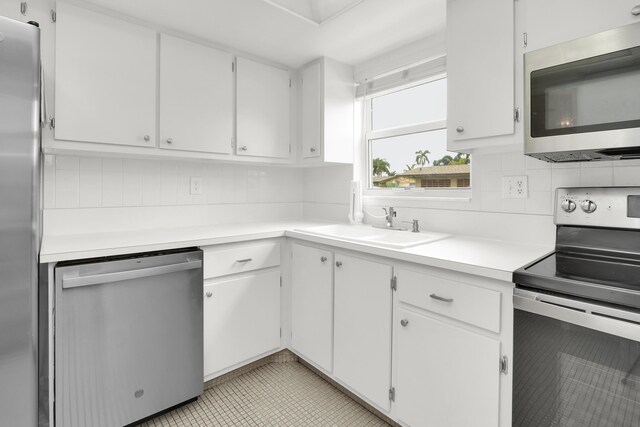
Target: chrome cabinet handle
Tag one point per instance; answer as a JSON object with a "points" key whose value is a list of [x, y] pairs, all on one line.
{"points": [[404, 322], [244, 260], [338, 263], [243, 148], [312, 149], [436, 297], [636, 10], [209, 294], [147, 138], [460, 129], [323, 259], [169, 140]]}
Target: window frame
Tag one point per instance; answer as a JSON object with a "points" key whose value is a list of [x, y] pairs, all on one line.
{"points": [[370, 135]]}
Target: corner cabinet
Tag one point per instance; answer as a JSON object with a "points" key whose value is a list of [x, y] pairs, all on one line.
{"points": [[312, 304], [263, 110], [362, 340], [196, 97], [480, 71], [326, 120], [105, 79]]}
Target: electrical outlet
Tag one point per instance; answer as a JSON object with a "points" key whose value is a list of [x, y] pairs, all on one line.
{"points": [[196, 185], [515, 187]]}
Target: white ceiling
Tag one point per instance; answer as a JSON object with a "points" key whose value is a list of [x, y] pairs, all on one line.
{"points": [[256, 27]]}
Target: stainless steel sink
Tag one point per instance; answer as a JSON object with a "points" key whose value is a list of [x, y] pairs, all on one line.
{"points": [[395, 239]]}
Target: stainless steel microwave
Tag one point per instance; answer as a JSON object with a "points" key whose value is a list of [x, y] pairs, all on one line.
{"points": [[582, 98]]}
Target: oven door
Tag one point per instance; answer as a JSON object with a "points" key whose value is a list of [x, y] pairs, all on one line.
{"points": [[575, 363]]}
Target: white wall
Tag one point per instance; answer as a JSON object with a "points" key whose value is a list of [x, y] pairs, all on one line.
{"points": [[122, 192], [488, 214], [326, 192], [102, 182]]}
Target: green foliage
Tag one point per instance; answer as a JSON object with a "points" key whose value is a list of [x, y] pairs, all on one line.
{"points": [[459, 159], [380, 166]]}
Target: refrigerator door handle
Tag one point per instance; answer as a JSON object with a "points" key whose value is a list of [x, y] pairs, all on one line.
{"points": [[75, 282]]}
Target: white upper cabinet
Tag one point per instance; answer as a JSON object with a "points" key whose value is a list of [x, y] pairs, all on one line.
{"points": [[572, 19], [326, 121], [105, 83], [196, 97], [262, 108], [480, 70], [311, 110]]}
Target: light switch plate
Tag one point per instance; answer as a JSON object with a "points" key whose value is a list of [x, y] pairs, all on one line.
{"points": [[515, 187], [196, 185]]}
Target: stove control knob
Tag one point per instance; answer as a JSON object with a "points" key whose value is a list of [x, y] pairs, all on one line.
{"points": [[589, 206], [568, 205]]}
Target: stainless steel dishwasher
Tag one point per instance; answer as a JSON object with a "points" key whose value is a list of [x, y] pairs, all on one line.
{"points": [[128, 337]]}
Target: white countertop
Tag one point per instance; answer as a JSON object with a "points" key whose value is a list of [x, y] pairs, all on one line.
{"points": [[484, 257]]}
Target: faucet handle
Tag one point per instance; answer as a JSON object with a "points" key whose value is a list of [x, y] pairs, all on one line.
{"points": [[416, 226]]}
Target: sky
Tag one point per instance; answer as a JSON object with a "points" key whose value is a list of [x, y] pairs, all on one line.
{"points": [[419, 104]]}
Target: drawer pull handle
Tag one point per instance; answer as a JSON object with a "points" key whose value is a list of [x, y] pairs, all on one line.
{"points": [[209, 294], [436, 297], [323, 259], [338, 263], [245, 260], [404, 322]]}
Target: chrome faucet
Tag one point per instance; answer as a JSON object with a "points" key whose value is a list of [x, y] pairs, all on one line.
{"points": [[391, 212]]}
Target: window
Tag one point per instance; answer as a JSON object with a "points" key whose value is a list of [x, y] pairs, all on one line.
{"points": [[406, 140]]}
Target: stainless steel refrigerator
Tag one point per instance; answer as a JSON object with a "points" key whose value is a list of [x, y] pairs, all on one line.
{"points": [[19, 221]]}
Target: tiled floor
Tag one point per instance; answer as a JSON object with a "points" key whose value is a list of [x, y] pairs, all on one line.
{"points": [[277, 394]]}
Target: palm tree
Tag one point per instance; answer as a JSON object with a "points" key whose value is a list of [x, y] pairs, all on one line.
{"points": [[380, 166], [422, 158], [410, 167]]}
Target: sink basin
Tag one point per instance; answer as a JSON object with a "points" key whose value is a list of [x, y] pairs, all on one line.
{"points": [[405, 239], [395, 239]]}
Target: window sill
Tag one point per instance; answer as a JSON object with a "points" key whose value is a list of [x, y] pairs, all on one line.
{"points": [[448, 195]]}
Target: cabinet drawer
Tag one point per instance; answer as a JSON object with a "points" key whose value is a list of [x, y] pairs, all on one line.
{"points": [[467, 303], [239, 258]]}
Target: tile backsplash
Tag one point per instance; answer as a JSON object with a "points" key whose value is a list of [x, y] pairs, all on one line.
{"points": [[95, 182], [543, 179]]}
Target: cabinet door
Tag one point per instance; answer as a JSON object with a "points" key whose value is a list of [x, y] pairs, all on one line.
{"points": [[196, 97], [312, 304], [362, 343], [241, 320], [311, 110], [445, 375], [480, 69], [105, 81], [262, 110]]}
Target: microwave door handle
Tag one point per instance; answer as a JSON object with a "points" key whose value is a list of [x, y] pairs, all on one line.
{"points": [[118, 276]]}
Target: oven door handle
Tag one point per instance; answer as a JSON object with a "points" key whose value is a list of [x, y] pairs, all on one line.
{"points": [[606, 319]]}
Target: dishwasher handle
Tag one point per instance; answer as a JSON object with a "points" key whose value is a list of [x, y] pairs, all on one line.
{"points": [[118, 276]]}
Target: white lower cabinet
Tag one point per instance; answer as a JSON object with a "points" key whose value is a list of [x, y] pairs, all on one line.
{"points": [[241, 319], [312, 304], [362, 323], [445, 375]]}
